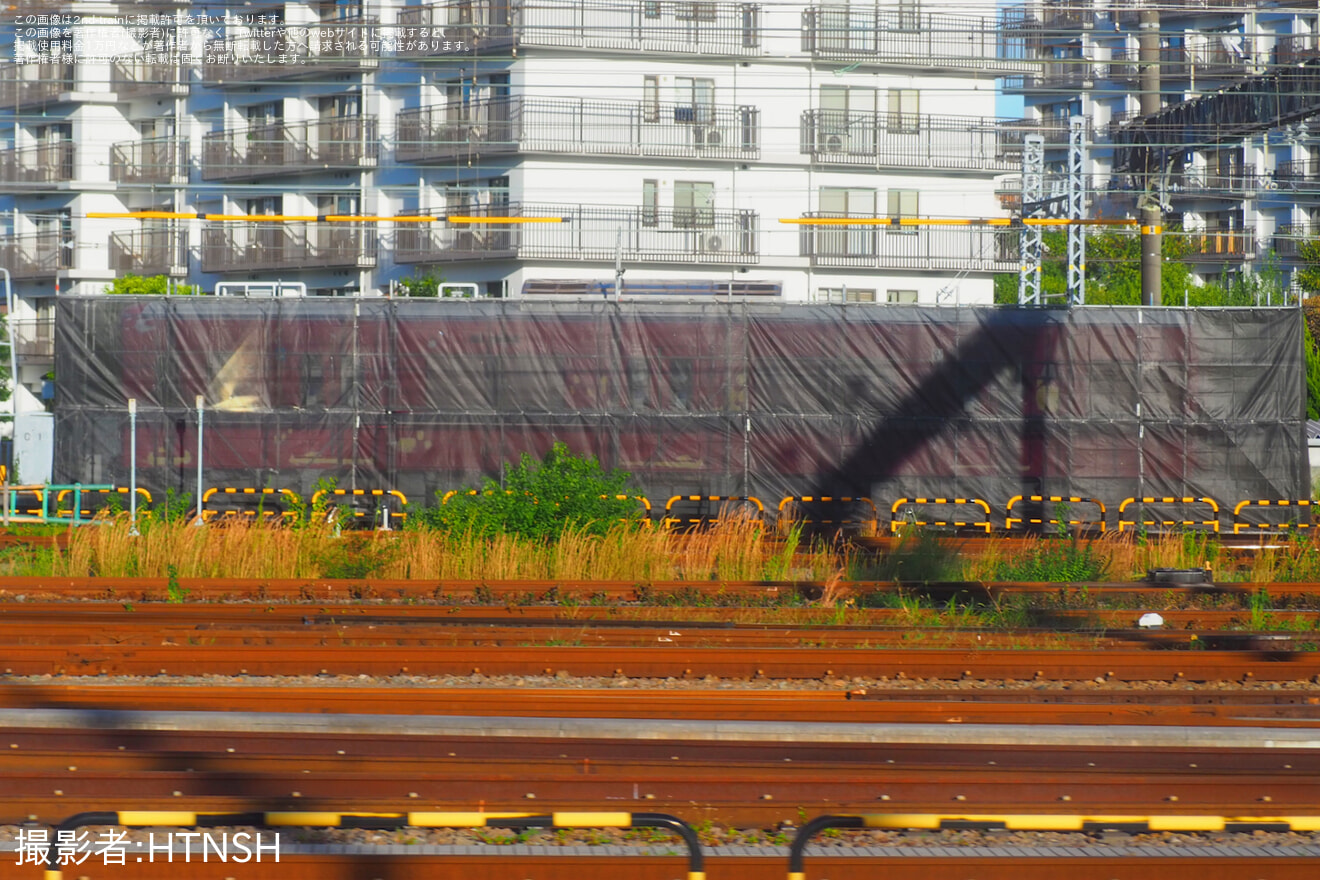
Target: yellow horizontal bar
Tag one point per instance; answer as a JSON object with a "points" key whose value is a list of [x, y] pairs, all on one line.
{"points": [[928, 821], [143, 215], [156, 817], [948, 221], [320, 820], [363, 218], [459, 820], [592, 820], [269, 218], [1186, 823], [505, 219]]}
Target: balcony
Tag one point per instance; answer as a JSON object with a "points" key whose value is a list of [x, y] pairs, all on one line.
{"points": [[1234, 184], [133, 77], [257, 247], [490, 26], [903, 140], [150, 252], [34, 337], [1288, 240], [1296, 48], [588, 233], [1067, 15], [51, 162], [1220, 245], [289, 52], [1300, 176], [347, 143], [1128, 12], [158, 160], [962, 248], [26, 85], [924, 41], [576, 127], [38, 255]]}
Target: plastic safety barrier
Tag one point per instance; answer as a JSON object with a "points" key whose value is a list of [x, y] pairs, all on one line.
{"points": [[895, 523], [1186, 499], [1054, 499], [670, 521], [362, 494], [372, 821], [86, 512], [1303, 507], [834, 501]]}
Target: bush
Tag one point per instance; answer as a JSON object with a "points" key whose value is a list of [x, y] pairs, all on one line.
{"points": [[540, 501]]}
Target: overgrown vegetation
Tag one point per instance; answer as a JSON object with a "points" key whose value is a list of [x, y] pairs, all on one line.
{"points": [[152, 285]]}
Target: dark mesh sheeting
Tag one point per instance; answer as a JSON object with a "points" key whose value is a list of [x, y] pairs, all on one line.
{"points": [[716, 398]]}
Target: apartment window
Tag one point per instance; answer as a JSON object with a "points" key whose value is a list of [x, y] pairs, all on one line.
{"points": [[909, 15], [900, 296], [904, 113], [338, 106], [903, 204], [694, 99], [695, 11], [694, 204], [651, 9], [650, 202], [846, 241], [270, 113], [845, 295], [846, 120], [650, 99]]}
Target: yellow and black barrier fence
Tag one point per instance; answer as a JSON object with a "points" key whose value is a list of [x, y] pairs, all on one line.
{"points": [[1142, 522], [1302, 508], [1041, 822], [379, 497], [379, 822], [144, 497], [250, 502], [896, 523], [726, 503], [1063, 506], [797, 505]]}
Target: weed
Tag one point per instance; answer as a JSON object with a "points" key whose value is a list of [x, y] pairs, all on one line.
{"points": [[174, 591]]}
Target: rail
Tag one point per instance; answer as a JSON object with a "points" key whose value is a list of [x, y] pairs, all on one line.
{"points": [[375, 822], [288, 508], [833, 501], [379, 495], [670, 521], [1303, 505], [114, 492]]}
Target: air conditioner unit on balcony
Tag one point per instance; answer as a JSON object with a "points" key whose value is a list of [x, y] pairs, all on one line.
{"points": [[713, 244], [834, 143]]}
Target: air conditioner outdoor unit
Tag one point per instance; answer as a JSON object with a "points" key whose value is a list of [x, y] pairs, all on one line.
{"points": [[834, 143], [714, 244]]}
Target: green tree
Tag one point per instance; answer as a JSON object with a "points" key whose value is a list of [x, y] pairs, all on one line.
{"points": [[154, 285], [540, 500], [1308, 275], [427, 285], [1312, 373]]}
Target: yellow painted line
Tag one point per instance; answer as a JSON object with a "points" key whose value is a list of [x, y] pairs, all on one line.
{"points": [[143, 215], [156, 817], [1186, 823], [592, 820], [269, 218], [459, 219], [281, 820], [355, 218], [928, 821], [948, 221], [459, 820]]}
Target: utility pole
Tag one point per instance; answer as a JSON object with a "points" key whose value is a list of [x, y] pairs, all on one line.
{"points": [[1152, 228]]}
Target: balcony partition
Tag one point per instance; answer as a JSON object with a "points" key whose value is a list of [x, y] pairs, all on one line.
{"points": [[959, 248], [343, 143], [37, 255], [587, 233], [578, 127]]}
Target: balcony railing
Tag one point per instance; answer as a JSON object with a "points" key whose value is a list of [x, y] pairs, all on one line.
{"points": [[970, 248], [150, 252], [1067, 15], [1298, 175], [703, 27], [247, 247], [34, 337], [1011, 134], [134, 77], [51, 162], [1128, 12], [1221, 245], [588, 128], [158, 160], [881, 34], [23, 85], [910, 140], [345, 143], [38, 255], [276, 53], [1288, 239], [1201, 181], [588, 233]]}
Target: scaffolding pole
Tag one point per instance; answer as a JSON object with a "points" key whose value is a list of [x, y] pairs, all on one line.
{"points": [[1076, 211], [1030, 240]]}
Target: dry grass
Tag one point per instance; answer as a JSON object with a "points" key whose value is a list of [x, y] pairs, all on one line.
{"points": [[734, 549]]}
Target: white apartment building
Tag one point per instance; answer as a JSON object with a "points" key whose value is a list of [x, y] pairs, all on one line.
{"points": [[1244, 187], [666, 139]]}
